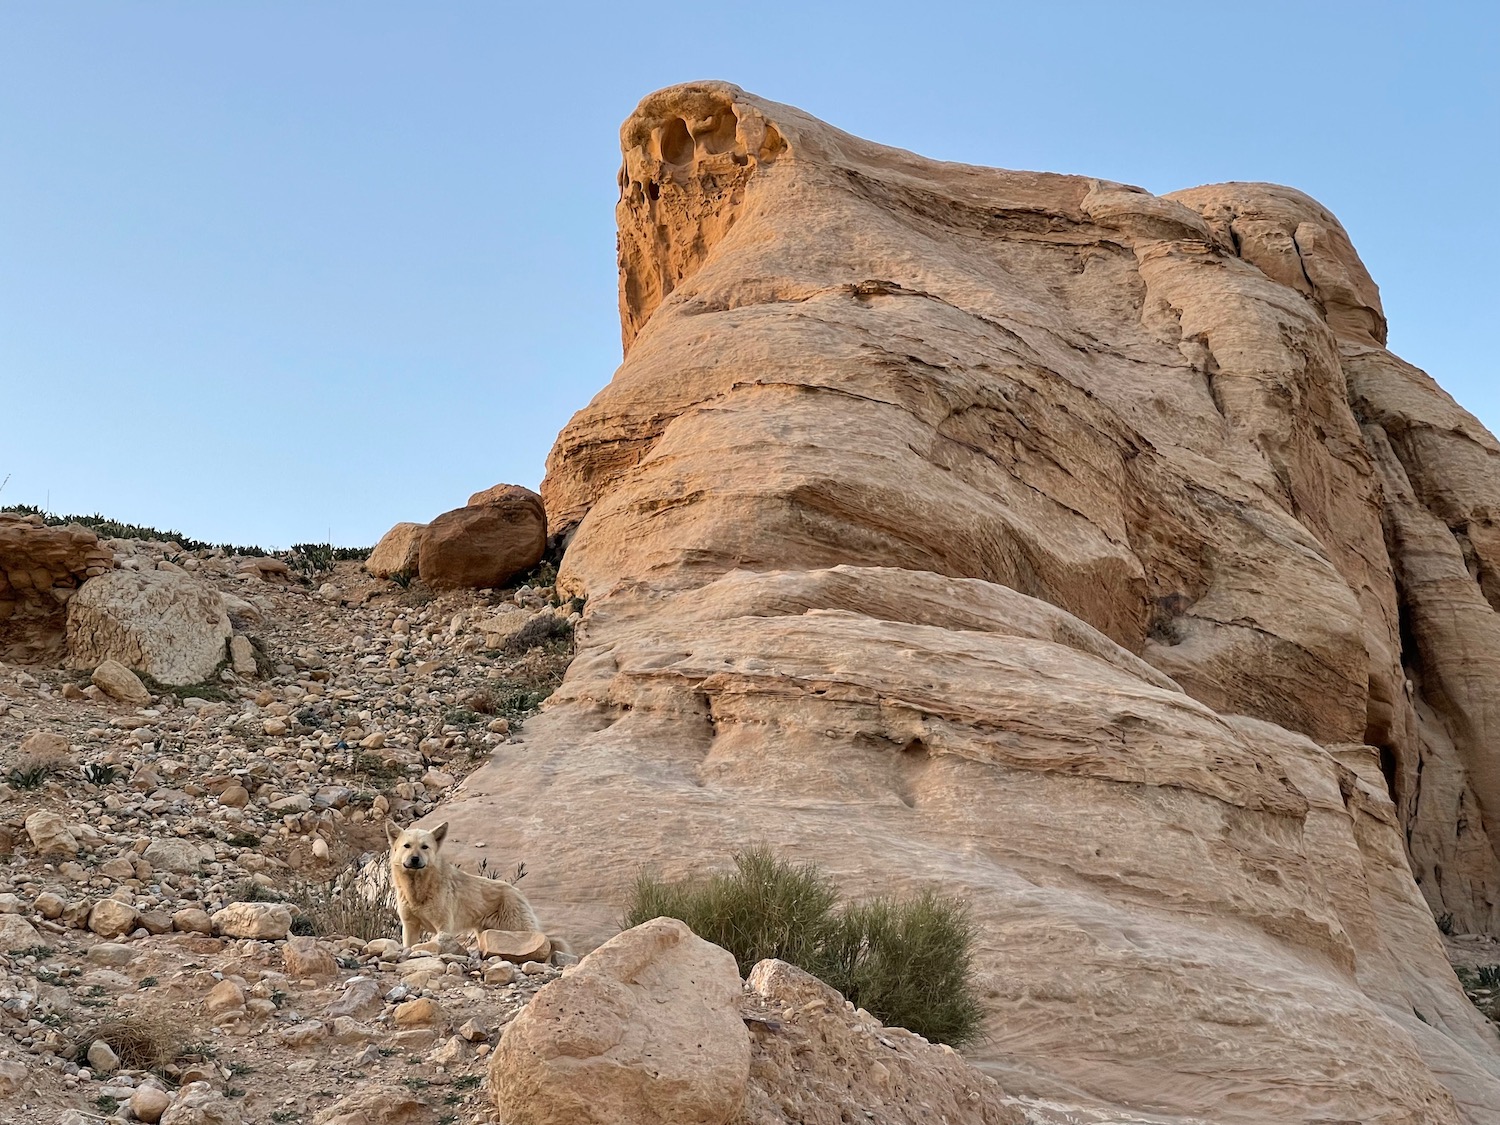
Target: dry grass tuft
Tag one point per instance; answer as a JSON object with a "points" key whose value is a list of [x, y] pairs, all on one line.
{"points": [[143, 1040], [357, 902]]}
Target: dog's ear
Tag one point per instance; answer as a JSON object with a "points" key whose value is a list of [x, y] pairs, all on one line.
{"points": [[391, 830], [440, 831]]}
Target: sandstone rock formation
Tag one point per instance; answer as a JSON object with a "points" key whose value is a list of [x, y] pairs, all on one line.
{"points": [[397, 552], [501, 533], [1079, 550], [40, 569], [164, 623]]}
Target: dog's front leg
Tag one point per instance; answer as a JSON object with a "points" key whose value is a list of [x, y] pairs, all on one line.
{"points": [[411, 931]]}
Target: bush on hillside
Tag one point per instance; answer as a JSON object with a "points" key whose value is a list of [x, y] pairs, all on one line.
{"points": [[909, 963]]}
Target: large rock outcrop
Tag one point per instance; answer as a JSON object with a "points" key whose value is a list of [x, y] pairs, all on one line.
{"points": [[1079, 550], [40, 569]]}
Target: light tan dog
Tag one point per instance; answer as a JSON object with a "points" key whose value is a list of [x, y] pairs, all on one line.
{"points": [[433, 896]]}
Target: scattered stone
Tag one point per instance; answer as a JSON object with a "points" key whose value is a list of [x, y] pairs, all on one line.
{"points": [[268, 921], [12, 1077], [242, 656], [112, 918], [515, 946], [192, 920], [148, 1103], [305, 958], [50, 834], [120, 683], [167, 853], [420, 1012], [226, 996], [17, 933], [103, 1058]]}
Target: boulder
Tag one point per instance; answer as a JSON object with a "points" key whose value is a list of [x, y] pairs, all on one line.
{"points": [[485, 545], [503, 494], [377, 1105], [41, 568], [398, 551], [17, 933], [242, 656], [168, 853], [266, 921], [645, 1029], [515, 946], [50, 834], [1075, 550], [266, 569], [148, 1103], [163, 623], [304, 958], [110, 918], [120, 684], [817, 1061], [46, 747], [198, 1103]]}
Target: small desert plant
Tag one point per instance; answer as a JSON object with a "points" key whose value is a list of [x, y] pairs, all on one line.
{"points": [[908, 963], [513, 878], [538, 630], [29, 774], [357, 902], [1488, 976], [248, 890], [100, 773]]}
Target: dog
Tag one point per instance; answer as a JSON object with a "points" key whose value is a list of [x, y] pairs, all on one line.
{"points": [[434, 896]]}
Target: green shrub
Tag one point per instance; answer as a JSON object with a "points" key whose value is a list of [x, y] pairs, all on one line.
{"points": [[765, 908], [909, 963]]}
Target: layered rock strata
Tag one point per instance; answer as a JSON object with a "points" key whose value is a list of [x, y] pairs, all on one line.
{"points": [[1078, 550], [40, 569]]}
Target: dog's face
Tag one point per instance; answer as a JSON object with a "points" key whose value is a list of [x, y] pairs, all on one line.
{"points": [[415, 848]]}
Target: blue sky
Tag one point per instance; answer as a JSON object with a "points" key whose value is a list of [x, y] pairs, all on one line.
{"points": [[277, 272]]}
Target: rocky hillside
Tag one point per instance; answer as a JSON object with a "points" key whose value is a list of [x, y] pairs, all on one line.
{"points": [[186, 933], [1076, 549]]}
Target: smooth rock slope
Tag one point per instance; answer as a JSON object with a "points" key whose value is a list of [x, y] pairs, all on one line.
{"points": [[1078, 550]]}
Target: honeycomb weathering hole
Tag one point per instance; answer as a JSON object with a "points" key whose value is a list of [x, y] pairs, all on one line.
{"points": [[676, 142], [717, 133]]}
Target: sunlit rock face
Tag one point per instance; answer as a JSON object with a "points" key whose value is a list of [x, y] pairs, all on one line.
{"points": [[1073, 549]]}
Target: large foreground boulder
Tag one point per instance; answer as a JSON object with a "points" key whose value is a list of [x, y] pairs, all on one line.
{"points": [[163, 623], [483, 545], [646, 1029], [1077, 550], [41, 568]]}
